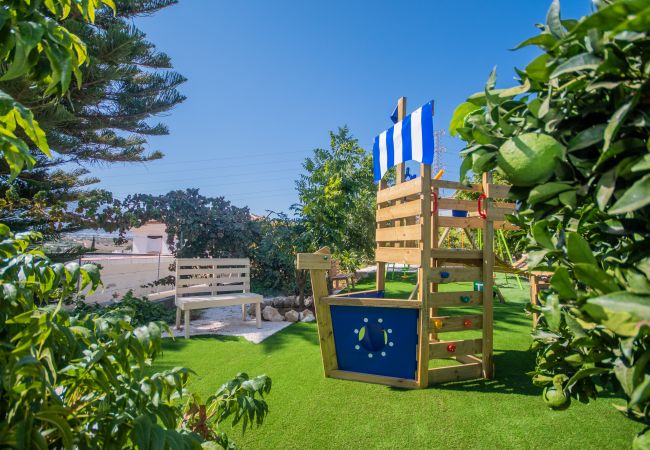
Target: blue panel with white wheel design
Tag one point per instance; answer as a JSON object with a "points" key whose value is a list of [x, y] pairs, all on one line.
{"points": [[376, 340]]}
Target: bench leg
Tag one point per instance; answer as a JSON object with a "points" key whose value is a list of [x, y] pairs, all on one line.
{"points": [[243, 312], [258, 315], [187, 324], [178, 318]]}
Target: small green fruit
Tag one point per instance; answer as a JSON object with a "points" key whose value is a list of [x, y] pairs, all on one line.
{"points": [[529, 159], [556, 399]]}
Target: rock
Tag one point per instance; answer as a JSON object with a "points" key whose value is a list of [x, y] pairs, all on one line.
{"points": [[309, 301], [271, 314], [292, 316], [307, 316]]}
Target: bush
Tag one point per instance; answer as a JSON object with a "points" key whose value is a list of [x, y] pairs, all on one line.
{"points": [[87, 381], [140, 310], [582, 106]]}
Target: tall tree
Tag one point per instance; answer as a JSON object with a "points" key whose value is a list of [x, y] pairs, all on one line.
{"points": [[197, 226], [105, 119], [337, 199]]}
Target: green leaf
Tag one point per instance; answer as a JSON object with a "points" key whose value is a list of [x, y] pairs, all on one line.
{"points": [[544, 40], [583, 61], [637, 196], [621, 311], [554, 22], [617, 120], [458, 118], [538, 69], [583, 373], [605, 188], [546, 191], [587, 138], [465, 167], [542, 235], [594, 277], [578, 249], [561, 282]]}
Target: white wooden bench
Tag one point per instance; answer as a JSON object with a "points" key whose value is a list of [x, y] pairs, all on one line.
{"points": [[210, 282]]}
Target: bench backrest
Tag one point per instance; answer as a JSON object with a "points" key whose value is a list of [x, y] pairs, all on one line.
{"points": [[212, 276]]}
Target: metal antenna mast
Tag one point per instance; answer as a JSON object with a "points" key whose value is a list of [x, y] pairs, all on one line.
{"points": [[439, 150]]}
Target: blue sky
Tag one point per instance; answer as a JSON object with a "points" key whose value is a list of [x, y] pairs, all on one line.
{"points": [[268, 80]]}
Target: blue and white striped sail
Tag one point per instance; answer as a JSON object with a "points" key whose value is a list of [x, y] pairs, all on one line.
{"points": [[408, 140]]}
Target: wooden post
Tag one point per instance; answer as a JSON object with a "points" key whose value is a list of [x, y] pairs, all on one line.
{"points": [[423, 275], [488, 296], [381, 266], [318, 264]]}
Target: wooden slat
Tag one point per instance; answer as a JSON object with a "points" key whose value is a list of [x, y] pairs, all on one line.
{"points": [[406, 233], [445, 184], [460, 222], [399, 191], [499, 213], [454, 203], [400, 211], [455, 373], [498, 190], [461, 347], [455, 274], [376, 302], [398, 255], [377, 379], [444, 324], [456, 254], [314, 261], [504, 225], [442, 299]]}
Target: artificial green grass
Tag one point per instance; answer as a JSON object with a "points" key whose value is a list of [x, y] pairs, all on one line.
{"points": [[309, 411]]}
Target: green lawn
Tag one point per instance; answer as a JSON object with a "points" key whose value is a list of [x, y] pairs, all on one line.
{"points": [[308, 411]]}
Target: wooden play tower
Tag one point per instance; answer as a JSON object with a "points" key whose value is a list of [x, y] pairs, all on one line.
{"points": [[366, 337]]}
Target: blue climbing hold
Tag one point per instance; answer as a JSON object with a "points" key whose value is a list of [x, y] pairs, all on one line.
{"points": [[465, 299], [444, 274]]}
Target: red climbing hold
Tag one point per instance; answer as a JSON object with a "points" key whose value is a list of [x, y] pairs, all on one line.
{"points": [[451, 348], [467, 323]]}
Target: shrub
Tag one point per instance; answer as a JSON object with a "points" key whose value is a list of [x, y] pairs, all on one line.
{"points": [[140, 310], [583, 104]]}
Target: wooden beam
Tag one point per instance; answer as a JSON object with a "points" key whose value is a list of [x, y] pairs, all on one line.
{"points": [[405, 255], [454, 203], [423, 275], [307, 261], [400, 211], [448, 349], [373, 302], [455, 373], [456, 254], [401, 113], [441, 239], [445, 299], [400, 191], [497, 190], [406, 233], [445, 184], [445, 324], [488, 297], [454, 274], [377, 379]]}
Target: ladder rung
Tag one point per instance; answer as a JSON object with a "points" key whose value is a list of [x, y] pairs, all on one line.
{"points": [[455, 373], [463, 298], [448, 349], [443, 324]]}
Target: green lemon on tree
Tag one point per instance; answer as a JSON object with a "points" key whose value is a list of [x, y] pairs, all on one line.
{"points": [[529, 159]]}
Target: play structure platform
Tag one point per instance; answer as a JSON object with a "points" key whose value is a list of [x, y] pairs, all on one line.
{"points": [[367, 337]]}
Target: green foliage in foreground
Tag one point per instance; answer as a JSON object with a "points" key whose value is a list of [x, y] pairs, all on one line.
{"points": [[140, 310], [86, 381], [309, 411], [574, 139]]}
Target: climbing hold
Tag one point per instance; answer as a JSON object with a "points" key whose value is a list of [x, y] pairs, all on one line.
{"points": [[437, 323], [467, 323], [451, 348], [465, 298], [444, 274]]}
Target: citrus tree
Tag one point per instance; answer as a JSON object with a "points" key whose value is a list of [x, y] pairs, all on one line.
{"points": [[82, 381], [573, 139]]}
